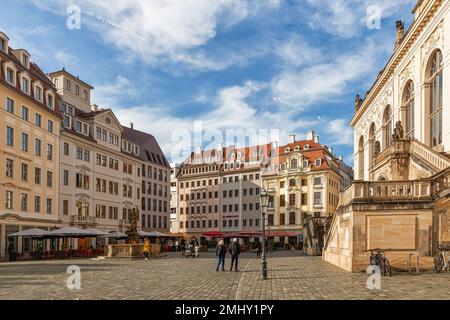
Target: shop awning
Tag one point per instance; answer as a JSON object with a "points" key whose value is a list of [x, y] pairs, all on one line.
{"points": [[281, 234], [34, 233], [213, 234]]}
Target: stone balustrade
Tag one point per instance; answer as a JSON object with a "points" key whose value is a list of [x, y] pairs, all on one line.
{"points": [[83, 220]]}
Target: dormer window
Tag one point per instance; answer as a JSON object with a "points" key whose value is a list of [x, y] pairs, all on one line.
{"points": [[306, 147], [287, 149], [38, 93], [25, 60], [305, 163], [50, 103], [10, 76], [2, 45], [25, 85], [318, 162], [297, 148]]}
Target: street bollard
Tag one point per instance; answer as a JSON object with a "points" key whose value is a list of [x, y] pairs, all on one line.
{"points": [[418, 265]]}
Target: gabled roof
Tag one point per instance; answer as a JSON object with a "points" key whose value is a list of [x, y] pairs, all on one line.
{"points": [[149, 148]]}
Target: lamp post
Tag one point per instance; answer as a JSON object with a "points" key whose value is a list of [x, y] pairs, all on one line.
{"points": [[264, 200]]}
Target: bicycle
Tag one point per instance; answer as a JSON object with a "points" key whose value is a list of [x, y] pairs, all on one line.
{"points": [[377, 258], [442, 260]]}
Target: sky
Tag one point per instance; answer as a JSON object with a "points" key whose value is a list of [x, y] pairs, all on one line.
{"points": [[169, 66]]}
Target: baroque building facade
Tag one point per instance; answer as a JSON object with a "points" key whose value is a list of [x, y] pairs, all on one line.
{"points": [[29, 147], [400, 200]]}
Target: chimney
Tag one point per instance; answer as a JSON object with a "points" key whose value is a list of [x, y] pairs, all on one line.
{"points": [[292, 138], [131, 125], [400, 32], [94, 107], [310, 135], [316, 139], [274, 145]]}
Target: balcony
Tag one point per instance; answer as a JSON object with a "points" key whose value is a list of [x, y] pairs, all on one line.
{"points": [[82, 220], [125, 224]]}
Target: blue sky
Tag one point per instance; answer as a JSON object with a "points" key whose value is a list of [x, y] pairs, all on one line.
{"points": [[232, 64]]}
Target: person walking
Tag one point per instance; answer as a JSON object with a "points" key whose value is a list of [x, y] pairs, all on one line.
{"points": [[235, 250], [146, 250], [258, 250], [221, 253]]}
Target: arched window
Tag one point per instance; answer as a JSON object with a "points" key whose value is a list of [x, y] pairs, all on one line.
{"points": [[434, 93], [408, 110], [371, 142], [361, 158], [387, 127], [294, 164], [292, 218]]}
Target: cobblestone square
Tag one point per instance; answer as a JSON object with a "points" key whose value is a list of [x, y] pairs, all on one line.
{"points": [[293, 276]]}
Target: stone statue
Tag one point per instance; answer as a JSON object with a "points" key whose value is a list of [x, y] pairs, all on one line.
{"points": [[133, 235], [358, 102], [376, 149], [398, 131]]}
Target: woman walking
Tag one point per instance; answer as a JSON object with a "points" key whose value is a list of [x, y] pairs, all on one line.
{"points": [[220, 253], [146, 248]]}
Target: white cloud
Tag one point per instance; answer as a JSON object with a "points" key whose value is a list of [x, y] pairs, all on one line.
{"points": [[297, 52], [110, 94], [345, 18], [326, 80], [163, 30], [339, 132]]}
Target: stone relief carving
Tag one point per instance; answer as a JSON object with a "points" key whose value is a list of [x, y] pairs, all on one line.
{"points": [[398, 131], [407, 74], [435, 39]]}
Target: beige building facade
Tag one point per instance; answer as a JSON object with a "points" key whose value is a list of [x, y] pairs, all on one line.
{"points": [[400, 200], [29, 148], [100, 172]]}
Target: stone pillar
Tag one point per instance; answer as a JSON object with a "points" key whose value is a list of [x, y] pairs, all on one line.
{"points": [[19, 241], [2, 240]]}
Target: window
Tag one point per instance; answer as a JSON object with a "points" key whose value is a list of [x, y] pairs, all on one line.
{"points": [[435, 98], [37, 204], [38, 93], [282, 200], [65, 177], [24, 202], [10, 105], [9, 136], [25, 60], [25, 85], [49, 152], [38, 120], [66, 149], [49, 179], [37, 147], [269, 220], [25, 113], [361, 157], [317, 198], [50, 101], [282, 219], [294, 164], [24, 172], [317, 181], [68, 85], [10, 76], [387, 127], [9, 198], [10, 168], [292, 183], [65, 210], [24, 143], [304, 199], [49, 206], [292, 199], [318, 162], [3, 45], [292, 218], [37, 175], [77, 90], [50, 126]]}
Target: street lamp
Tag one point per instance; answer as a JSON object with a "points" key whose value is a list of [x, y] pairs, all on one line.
{"points": [[264, 199]]}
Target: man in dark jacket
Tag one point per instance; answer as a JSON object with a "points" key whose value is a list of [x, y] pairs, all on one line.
{"points": [[235, 250], [220, 253]]}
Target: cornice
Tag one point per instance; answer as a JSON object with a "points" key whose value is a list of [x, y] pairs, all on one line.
{"points": [[414, 32]]}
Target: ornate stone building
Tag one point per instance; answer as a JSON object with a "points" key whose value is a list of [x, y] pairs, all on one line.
{"points": [[29, 147], [400, 200]]}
